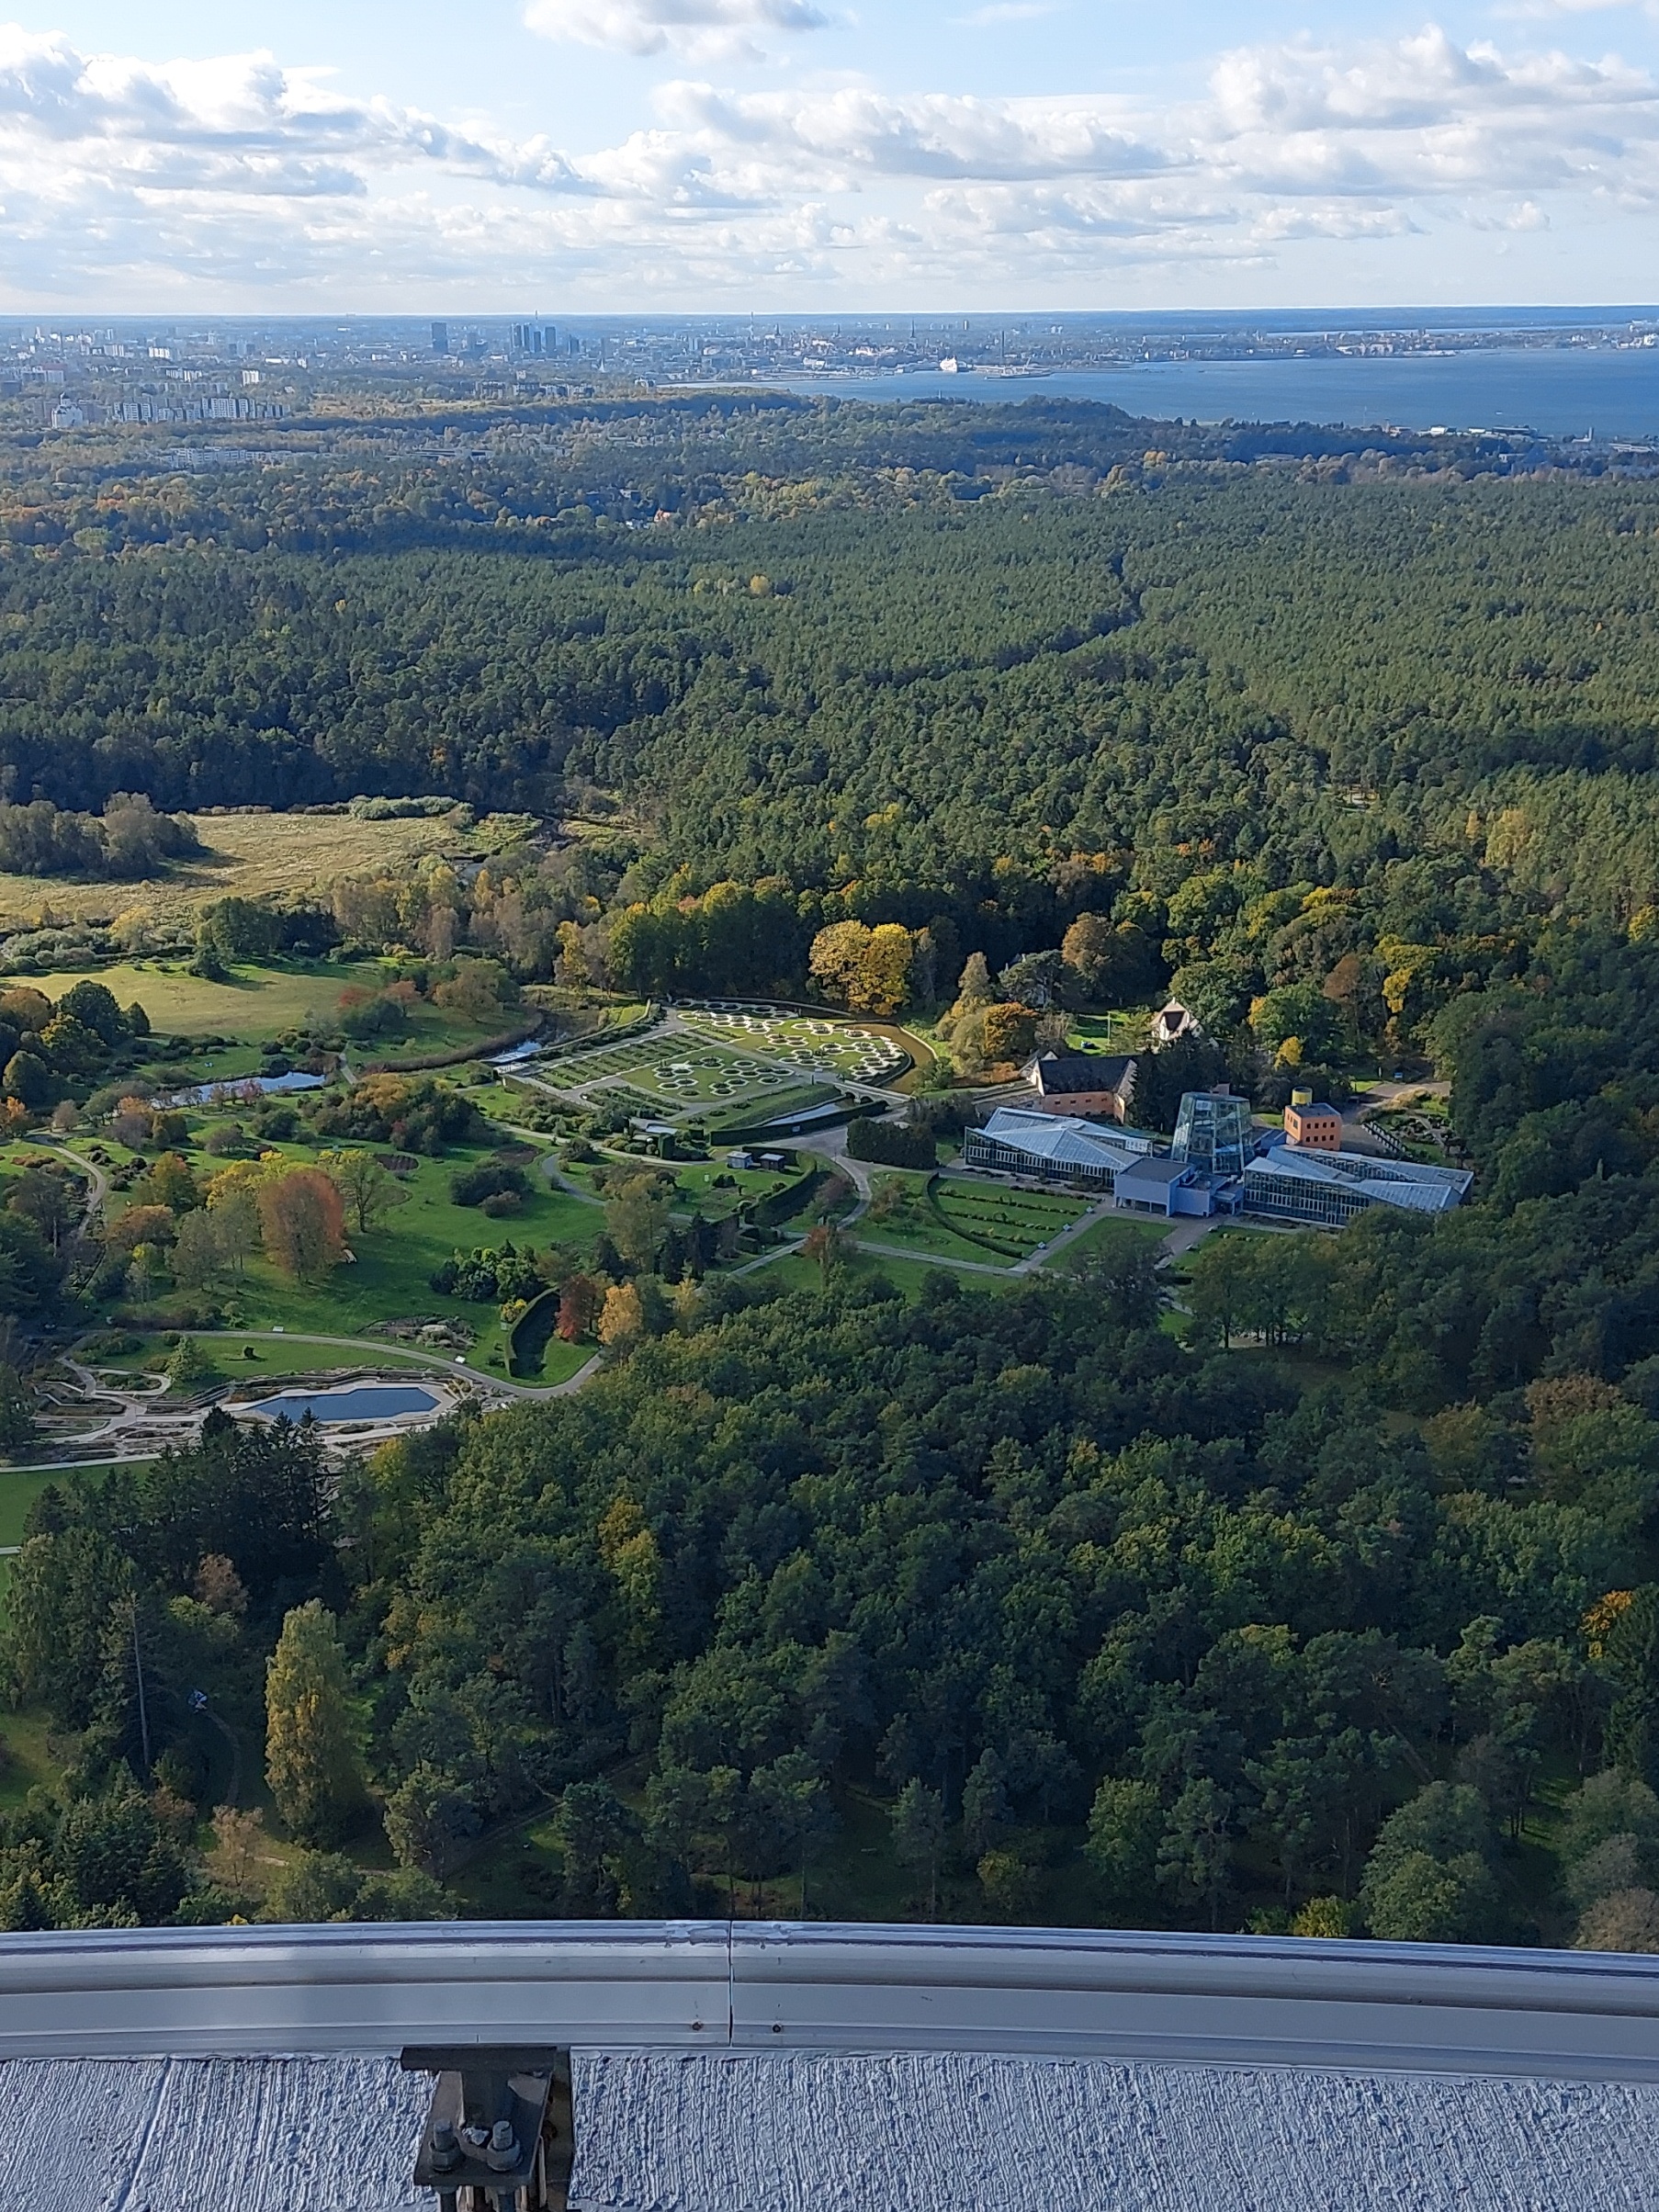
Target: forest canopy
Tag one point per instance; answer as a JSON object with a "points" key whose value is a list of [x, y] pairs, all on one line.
{"points": [[1296, 1606]]}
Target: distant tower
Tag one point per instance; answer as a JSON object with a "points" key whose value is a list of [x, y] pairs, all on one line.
{"points": [[440, 337]]}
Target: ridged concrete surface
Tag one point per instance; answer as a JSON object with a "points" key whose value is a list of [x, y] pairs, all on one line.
{"points": [[799, 2134], [275, 2135]]}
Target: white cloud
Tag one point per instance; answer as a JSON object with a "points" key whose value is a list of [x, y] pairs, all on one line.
{"points": [[705, 29], [131, 178], [852, 131]]}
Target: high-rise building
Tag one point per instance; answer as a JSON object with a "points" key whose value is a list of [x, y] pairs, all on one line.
{"points": [[440, 337], [1215, 1131]]}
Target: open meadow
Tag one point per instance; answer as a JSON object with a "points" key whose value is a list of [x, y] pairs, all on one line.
{"points": [[253, 854], [257, 1001]]}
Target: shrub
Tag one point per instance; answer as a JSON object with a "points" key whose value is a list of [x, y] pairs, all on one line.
{"points": [[485, 1275], [487, 1180], [416, 1115]]}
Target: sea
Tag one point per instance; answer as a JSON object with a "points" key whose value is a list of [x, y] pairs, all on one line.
{"points": [[1561, 392]]}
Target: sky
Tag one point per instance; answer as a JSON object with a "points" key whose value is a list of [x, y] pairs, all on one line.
{"points": [[615, 156]]}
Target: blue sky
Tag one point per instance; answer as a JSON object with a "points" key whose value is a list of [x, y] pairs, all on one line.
{"points": [[596, 155]]}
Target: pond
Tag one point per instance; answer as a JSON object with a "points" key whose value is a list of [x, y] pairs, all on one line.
{"points": [[365, 1402], [243, 1090]]}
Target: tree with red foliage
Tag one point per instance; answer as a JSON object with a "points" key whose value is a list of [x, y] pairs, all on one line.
{"points": [[578, 1305], [302, 1223]]}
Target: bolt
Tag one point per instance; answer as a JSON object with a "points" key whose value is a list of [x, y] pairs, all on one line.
{"points": [[503, 2152], [446, 2151]]}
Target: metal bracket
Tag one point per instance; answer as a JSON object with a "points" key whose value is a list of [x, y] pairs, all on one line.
{"points": [[500, 2131]]}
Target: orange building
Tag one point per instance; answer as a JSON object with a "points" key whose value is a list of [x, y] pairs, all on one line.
{"points": [[1310, 1123]]}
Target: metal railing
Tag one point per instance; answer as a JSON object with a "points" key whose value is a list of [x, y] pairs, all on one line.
{"points": [[758, 1986]]}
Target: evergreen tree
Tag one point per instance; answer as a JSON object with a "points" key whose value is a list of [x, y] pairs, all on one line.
{"points": [[919, 1834], [312, 1759]]}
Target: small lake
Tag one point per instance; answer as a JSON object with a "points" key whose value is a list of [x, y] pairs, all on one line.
{"points": [[243, 1090], [365, 1402]]}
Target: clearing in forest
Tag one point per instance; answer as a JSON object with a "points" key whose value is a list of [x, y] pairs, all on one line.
{"points": [[251, 855]]}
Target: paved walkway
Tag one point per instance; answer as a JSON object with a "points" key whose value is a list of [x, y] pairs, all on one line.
{"points": [[138, 1423], [674, 1025]]}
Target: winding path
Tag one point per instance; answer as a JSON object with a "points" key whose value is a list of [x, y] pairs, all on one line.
{"points": [[373, 1348]]}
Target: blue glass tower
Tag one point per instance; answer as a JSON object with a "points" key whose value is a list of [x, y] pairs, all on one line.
{"points": [[1216, 1134]]}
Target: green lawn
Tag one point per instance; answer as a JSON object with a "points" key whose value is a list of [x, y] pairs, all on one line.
{"points": [[387, 1279], [800, 1274], [31, 1762], [764, 1110], [680, 1071], [1114, 1232], [1004, 1221], [861, 1051], [695, 1182], [19, 1493], [697, 1193], [256, 1003], [917, 1226], [272, 1355], [1125, 1031]]}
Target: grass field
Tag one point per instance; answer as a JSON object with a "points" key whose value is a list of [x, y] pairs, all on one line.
{"points": [[1124, 1031], [706, 1187], [679, 1071], [387, 1279], [903, 1213], [31, 1761], [252, 855], [797, 1273], [272, 1356], [697, 1189], [19, 1493], [258, 1003], [1007, 1224], [1115, 1232], [674, 1078]]}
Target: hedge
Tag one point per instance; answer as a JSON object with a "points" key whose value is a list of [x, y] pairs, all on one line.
{"points": [[890, 1143]]}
